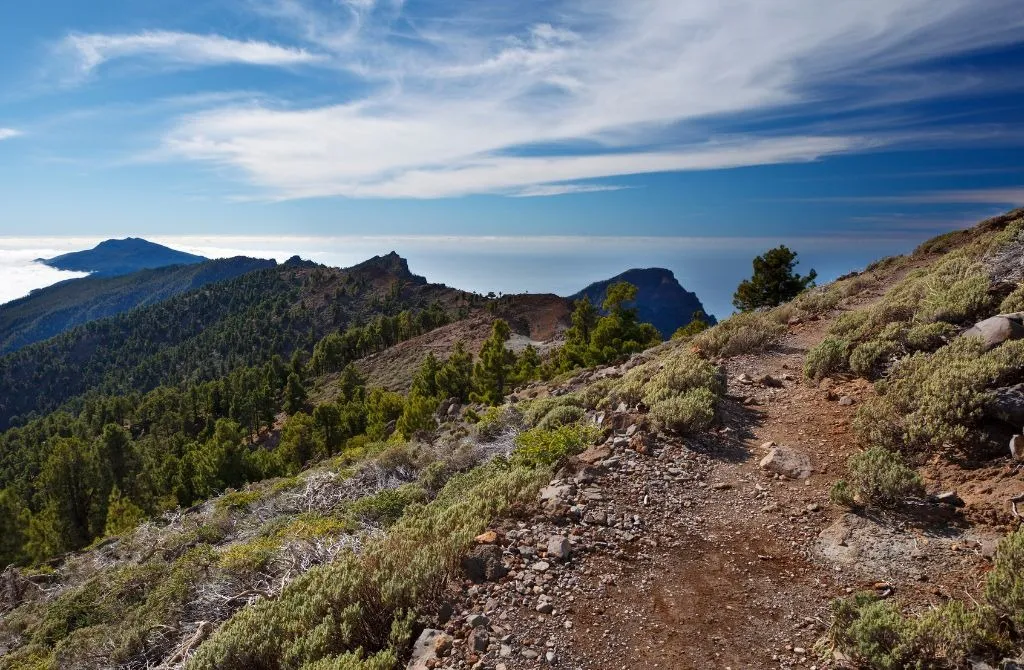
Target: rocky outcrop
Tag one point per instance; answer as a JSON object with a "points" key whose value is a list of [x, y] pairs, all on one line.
{"points": [[995, 330], [787, 462]]}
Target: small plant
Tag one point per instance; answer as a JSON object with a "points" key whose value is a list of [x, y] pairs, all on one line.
{"points": [[743, 333], [247, 558], [690, 412], [829, 357], [497, 421], [1004, 588], [237, 500], [877, 478], [539, 446]]}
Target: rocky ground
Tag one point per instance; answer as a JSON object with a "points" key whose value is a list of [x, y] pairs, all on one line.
{"points": [[718, 551]]}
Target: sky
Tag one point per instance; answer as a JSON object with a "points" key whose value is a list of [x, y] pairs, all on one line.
{"points": [[840, 129]]}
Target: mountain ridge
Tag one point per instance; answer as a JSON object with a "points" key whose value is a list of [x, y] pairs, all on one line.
{"points": [[115, 257]]}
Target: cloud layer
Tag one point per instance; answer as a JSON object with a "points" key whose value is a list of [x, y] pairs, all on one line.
{"points": [[183, 49], [8, 133], [547, 98]]}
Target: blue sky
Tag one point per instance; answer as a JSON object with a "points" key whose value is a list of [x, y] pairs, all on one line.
{"points": [[873, 123]]}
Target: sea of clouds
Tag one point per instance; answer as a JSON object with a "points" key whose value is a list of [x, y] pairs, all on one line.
{"points": [[709, 266]]}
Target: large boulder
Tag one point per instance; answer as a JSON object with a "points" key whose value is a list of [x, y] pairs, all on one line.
{"points": [[995, 330], [429, 646], [787, 462], [1007, 404]]}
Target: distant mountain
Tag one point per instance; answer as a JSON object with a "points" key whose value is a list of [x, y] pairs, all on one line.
{"points": [[660, 299], [52, 310], [121, 257]]}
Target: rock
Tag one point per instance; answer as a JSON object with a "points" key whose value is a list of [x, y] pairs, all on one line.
{"points": [[1017, 447], [632, 429], [995, 330], [1007, 404], [846, 401], [424, 651], [478, 621], [488, 537], [551, 658], [559, 548], [787, 462], [949, 498], [641, 443], [540, 566], [769, 381], [483, 563], [745, 379], [595, 453], [545, 607], [478, 640]]}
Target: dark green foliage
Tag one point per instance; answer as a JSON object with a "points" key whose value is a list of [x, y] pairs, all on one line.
{"points": [[294, 394], [52, 310], [455, 378], [599, 340], [492, 374], [698, 323], [774, 281], [877, 478]]}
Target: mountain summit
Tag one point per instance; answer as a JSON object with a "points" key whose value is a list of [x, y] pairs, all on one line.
{"points": [[120, 257], [660, 299]]}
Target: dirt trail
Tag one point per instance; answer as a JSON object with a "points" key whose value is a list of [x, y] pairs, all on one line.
{"points": [[723, 564]]}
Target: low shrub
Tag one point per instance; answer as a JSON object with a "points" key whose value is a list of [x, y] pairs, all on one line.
{"points": [[929, 401], [829, 357], [247, 558], [671, 376], [536, 411], [692, 411], [561, 416], [541, 447], [387, 506], [877, 478], [1013, 302], [497, 421], [1004, 588], [743, 333]]}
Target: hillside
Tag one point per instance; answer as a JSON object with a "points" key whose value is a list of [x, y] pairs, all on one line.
{"points": [[119, 257], [49, 311], [822, 484], [660, 299], [207, 332]]}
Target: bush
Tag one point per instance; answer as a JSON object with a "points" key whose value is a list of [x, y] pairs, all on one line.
{"points": [[1013, 302], [561, 416], [829, 357], [931, 400], [387, 506], [872, 632], [364, 603], [877, 478], [247, 558], [536, 411], [678, 374], [498, 420], [686, 413], [744, 333], [540, 446], [1004, 588], [872, 357]]}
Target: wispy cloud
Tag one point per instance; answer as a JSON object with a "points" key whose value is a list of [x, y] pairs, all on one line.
{"points": [[8, 133], [589, 86], [90, 51]]}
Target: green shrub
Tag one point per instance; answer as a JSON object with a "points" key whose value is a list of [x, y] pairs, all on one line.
{"points": [[561, 416], [869, 358], [387, 506], [877, 478], [929, 336], [829, 357], [1013, 302], [693, 411], [1004, 588], [540, 446], [237, 500], [364, 603], [246, 558], [536, 411], [498, 420], [932, 400], [743, 333], [872, 632], [673, 375]]}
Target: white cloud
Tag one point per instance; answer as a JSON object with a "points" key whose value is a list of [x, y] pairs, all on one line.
{"points": [[92, 50], [8, 133], [593, 88]]}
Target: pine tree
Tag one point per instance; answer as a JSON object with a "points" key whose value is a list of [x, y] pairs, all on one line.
{"points": [[294, 394], [122, 514], [492, 373], [774, 281], [455, 377]]}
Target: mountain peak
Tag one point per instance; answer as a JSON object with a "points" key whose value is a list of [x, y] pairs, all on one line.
{"points": [[660, 299], [393, 264], [121, 256]]}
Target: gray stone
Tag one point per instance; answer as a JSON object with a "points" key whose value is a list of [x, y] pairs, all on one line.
{"points": [[1017, 447], [478, 621], [483, 563], [425, 649], [995, 330], [545, 607], [559, 548], [478, 640], [540, 566], [846, 401], [529, 653], [787, 462]]}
